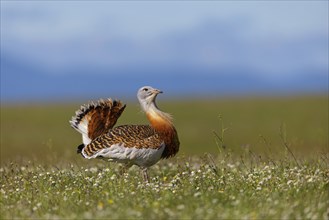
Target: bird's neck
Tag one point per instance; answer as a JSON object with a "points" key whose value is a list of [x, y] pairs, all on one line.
{"points": [[159, 120], [162, 123]]}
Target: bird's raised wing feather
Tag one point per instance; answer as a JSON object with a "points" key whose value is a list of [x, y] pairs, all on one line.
{"points": [[95, 119]]}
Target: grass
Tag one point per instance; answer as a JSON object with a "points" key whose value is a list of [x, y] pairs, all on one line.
{"points": [[261, 159], [185, 188]]}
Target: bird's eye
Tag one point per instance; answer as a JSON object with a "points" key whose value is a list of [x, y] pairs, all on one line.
{"points": [[145, 89]]}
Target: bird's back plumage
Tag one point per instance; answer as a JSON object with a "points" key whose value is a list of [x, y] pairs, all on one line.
{"points": [[133, 144], [137, 136]]}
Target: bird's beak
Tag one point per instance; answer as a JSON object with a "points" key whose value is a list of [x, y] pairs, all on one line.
{"points": [[156, 91]]}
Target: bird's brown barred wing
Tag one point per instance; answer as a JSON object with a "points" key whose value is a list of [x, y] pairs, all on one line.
{"points": [[98, 118], [128, 136]]}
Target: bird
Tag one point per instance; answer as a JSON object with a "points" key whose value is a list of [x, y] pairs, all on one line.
{"points": [[141, 145]]}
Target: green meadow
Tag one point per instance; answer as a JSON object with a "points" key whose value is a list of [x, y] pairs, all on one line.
{"points": [[250, 157], [43, 132]]}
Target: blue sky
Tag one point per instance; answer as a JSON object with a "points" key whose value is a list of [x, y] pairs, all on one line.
{"points": [[275, 41]]}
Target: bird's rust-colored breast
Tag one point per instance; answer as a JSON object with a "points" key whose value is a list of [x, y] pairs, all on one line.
{"points": [[167, 133]]}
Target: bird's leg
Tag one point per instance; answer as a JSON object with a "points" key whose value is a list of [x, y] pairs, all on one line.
{"points": [[145, 175], [124, 168]]}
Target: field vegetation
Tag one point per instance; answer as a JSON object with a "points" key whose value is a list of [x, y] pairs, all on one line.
{"points": [[240, 158]]}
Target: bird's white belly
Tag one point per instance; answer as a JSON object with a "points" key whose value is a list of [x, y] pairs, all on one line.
{"points": [[143, 157]]}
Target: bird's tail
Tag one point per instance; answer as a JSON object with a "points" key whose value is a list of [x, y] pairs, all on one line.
{"points": [[94, 119]]}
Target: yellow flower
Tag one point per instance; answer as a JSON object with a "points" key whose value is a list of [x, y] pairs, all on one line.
{"points": [[100, 206], [110, 201]]}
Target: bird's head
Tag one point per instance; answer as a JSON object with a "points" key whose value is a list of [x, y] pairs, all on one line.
{"points": [[146, 96]]}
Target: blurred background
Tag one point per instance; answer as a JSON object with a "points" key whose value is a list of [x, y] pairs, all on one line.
{"points": [[64, 50], [56, 55]]}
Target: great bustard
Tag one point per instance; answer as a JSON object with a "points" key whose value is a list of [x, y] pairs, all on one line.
{"points": [[141, 145]]}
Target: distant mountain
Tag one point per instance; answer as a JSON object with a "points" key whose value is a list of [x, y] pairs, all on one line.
{"points": [[22, 82]]}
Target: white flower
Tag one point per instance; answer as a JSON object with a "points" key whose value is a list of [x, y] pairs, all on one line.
{"points": [[289, 182], [93, 169], [197, 194]]}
